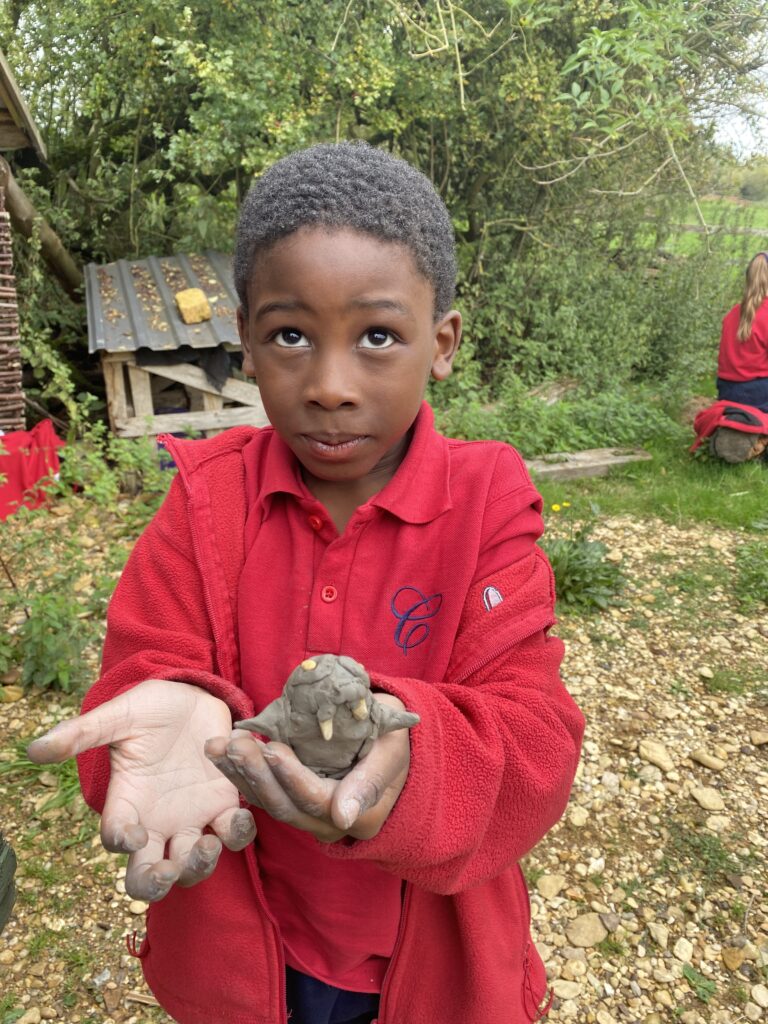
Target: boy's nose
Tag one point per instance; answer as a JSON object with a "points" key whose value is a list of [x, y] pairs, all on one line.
{"points": [[331, 384]]}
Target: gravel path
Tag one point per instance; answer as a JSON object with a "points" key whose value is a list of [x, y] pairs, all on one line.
{"points": [[649, 900]]}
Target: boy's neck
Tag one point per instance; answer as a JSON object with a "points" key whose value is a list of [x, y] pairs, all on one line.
{"points": [[342, 498]]}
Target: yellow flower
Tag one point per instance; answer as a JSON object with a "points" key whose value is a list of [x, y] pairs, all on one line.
{"points": [[566, 504], [555, 508]]}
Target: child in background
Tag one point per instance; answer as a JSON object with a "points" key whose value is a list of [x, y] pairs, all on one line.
{"points": [[348, 526], [742, 367]]}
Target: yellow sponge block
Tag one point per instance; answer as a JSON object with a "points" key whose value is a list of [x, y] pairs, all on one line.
{"points": [[193, 305]]}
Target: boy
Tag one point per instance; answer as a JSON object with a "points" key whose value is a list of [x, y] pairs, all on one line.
{"points": [[348, 527]]}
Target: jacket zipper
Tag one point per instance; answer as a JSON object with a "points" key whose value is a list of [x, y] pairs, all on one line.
{"points": [[516, 638], [395, 954], [167, 442]]}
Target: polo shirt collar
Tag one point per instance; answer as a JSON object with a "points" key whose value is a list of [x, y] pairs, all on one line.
{"points": [[418, 492]]}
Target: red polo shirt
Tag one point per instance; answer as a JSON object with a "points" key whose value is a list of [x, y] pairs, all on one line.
{"points": [[744, 360], [389, 592]]}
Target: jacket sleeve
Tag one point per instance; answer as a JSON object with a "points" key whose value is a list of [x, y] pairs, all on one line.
{"points": [[158, 627], [495, 753]]}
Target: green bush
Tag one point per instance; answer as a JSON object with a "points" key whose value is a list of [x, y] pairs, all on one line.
{"points": [[754, 182], [103, 466], [585, 580], [628, 416], [52, 641], [9, 652]]}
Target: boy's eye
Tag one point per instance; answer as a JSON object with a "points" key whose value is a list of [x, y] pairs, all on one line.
{"points": [[290, 337], [377, 337]]}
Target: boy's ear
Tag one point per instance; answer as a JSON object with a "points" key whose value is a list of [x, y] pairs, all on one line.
{"points": [[447, 341], [245, 342]]}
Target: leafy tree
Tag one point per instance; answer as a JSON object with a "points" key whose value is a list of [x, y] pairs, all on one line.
{"points": [[562, 136]]}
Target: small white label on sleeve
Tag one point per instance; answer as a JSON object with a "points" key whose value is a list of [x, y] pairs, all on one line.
{"points": [[491, 597]]}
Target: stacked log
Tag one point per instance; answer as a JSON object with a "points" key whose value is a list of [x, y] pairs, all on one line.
{"points": [[11, 394]]}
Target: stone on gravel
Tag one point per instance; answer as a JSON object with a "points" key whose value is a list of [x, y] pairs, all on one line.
{"points": [[611, 921], [566, 989], [574, 969], [578, 816], [683, 950], [733, 957], [656, 753], [759, 994], [758, 738], [586, 930], [659, 933], [718, 822], [708, 798], [702, 756], [550, 886], [751, 1010], [137, 907], [31, 1016]]}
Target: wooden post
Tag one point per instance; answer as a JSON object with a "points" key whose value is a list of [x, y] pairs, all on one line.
{"points": [[24, 217]]}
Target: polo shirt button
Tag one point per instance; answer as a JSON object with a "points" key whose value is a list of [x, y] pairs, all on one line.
{"points": [[329, 594], [315, 522]]}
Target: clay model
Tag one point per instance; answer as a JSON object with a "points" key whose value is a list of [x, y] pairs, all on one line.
{"points": [[327, 715]]}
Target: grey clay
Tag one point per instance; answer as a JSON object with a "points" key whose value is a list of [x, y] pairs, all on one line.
{"points": [[328, 715]]}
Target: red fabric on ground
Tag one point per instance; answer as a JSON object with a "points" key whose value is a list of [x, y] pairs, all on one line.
{"points": [[714, 416], [28, 460]]}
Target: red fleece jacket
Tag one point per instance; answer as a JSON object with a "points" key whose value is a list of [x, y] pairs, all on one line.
{"points": [[491, 768]]}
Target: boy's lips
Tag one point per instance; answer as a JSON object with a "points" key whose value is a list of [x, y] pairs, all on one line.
{"points": [[333, 444]]}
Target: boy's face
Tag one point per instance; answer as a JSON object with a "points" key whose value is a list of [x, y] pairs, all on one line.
{"points": [[341, 338]]}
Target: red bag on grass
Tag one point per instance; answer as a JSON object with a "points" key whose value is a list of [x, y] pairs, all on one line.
{"points": [[726, 417]]}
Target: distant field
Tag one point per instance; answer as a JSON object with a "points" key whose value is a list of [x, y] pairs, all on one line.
{"points": [[737, 228]]}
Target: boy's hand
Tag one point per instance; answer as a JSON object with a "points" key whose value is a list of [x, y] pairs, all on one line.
{"points": [[272, 777], [162, 789]]}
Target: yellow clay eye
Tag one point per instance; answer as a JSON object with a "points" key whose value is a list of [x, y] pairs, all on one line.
{"points": [[308, 665]]}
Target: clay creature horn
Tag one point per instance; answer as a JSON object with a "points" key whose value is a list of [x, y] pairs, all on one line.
{"points": [[388, 719], [268, 722]]}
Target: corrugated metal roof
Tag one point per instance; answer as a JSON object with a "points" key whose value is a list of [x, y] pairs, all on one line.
{"points": [[131, 304]]}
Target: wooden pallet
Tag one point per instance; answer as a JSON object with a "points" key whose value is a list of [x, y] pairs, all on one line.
{"points": [[131, 406], [592, 462]]}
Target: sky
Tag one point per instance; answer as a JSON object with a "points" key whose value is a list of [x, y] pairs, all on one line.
{"points": [[743, 139]]}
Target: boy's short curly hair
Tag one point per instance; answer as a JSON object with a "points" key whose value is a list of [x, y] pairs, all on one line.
{"points": [[349, 185]]}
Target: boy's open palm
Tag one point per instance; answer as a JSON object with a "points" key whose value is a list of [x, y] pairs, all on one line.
{"points": [[163, 792]]}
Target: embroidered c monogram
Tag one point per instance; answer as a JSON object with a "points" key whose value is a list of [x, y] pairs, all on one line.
{"points": [[410, 607]]}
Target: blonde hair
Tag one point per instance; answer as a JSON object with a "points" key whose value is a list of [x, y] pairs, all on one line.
{"points": [[755, 292]]}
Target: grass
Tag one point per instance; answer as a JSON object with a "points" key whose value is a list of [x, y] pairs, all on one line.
{"points": [[677, 488], [702, 851], [611, 947], [9, 1011], [738, 680], [722, 215], [20, 767], [703, 987]]}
